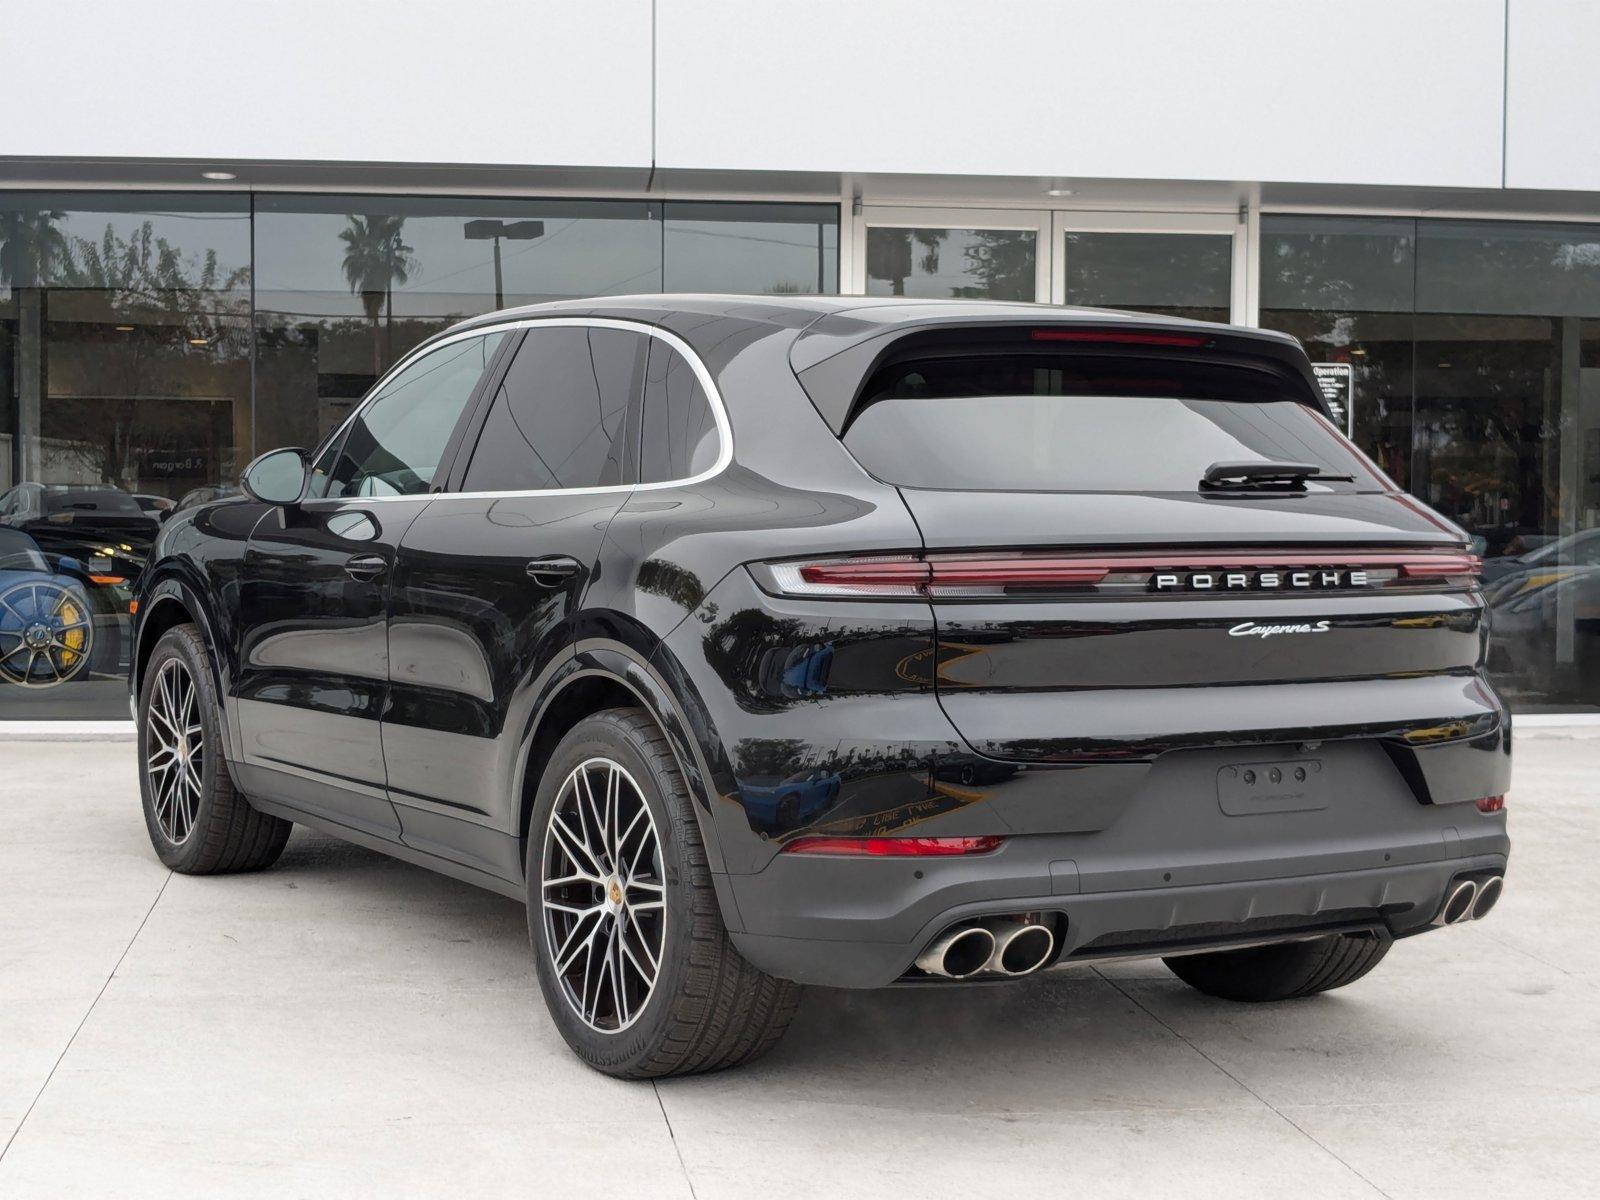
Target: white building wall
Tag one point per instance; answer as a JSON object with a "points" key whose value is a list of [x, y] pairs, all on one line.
{"points": [[1552, 95], [408, 81], [1360, 91], [1406, 92]]}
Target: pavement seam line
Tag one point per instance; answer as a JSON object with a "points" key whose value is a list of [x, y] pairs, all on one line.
{"points": [[1276, 1111], [15, 1133], [676, 1149]]}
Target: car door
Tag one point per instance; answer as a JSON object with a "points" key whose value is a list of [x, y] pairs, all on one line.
{"points": [[314, 661], [489, 579]]}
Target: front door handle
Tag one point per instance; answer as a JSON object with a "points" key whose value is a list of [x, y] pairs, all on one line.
{"points": [[365, 567], [549, 572]]}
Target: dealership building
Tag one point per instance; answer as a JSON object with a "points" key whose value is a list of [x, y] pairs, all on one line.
{"points": [[220, 223]]}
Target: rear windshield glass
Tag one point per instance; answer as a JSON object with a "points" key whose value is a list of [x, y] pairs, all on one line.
{"points": [[1030, 423]]}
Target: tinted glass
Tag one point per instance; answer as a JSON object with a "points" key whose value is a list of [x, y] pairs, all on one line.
{"points": [[558, 415], [124, 369], [1177, 274], [972, 264], [759, 248], [1036, 424], [680, 437], [1474, 351], [347, 285], [393, 448]]}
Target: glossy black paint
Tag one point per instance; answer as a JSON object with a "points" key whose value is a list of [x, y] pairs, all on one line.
{"points": [[408, 707]]}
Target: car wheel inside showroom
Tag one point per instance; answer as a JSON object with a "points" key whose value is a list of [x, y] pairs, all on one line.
{"points": [[757, 642]]}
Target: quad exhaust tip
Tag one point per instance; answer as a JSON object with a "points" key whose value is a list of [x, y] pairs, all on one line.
{"points": [[1020, 949], [1470, 899], [958, 953], [1488, 895], [1004, 946]]}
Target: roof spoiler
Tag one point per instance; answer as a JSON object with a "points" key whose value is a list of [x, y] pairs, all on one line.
{"points": [[835, 356]]}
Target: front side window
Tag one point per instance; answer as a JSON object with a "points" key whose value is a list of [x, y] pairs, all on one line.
{"points": [[394, 445], [680, 431], [558, 415]]}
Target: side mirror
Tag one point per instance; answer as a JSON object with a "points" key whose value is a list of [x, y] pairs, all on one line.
{"points": [[277, 477]]}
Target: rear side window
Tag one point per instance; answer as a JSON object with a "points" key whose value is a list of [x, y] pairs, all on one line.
{"points": [[680, 438], [557, 418], [995, 422]]}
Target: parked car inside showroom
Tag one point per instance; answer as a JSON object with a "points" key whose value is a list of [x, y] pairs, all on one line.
{"points": [[1073, 635]]}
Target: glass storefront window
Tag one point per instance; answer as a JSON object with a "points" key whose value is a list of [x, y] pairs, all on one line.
{"points": [[1476, 369], [345, 285], [151, 344], [763, 249], [966, 264], [1174, 274], [124, 385]]}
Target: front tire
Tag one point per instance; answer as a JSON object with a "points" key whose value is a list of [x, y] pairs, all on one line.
{"points": [[1284, 971], [632, 956], [199, 824]]}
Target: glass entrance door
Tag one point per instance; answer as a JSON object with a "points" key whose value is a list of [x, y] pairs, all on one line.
{"points": [[960, 254], [1175, 264]]}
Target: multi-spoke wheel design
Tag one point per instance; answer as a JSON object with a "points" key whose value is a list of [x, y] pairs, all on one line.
{"points": [[45, 633], [174, 759], [603, 895]]}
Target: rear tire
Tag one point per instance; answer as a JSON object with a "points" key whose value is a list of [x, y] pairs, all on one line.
{"points": [[1285, 971], [706, 1008], [199, 823]]}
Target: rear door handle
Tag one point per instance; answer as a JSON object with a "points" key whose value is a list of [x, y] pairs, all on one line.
{"points": [[365, 567], [549, 572]]}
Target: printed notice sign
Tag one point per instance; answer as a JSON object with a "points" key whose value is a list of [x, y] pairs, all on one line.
{"points": [[1338, 383]]}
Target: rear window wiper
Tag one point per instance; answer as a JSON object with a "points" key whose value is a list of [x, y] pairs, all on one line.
{"points": [[1239, 476]]}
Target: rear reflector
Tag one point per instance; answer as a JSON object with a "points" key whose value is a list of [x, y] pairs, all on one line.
{"points": [[1119, 337], [1492, 804], [893, 847]]}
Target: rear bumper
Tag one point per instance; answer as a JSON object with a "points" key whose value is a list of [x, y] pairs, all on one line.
{"points": [[1400, 900], [1173, 868]]}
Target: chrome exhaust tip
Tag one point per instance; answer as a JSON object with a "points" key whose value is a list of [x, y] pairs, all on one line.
{"points": [[1020, 949], [1488, 895], [958, 953], [1457, 903]]}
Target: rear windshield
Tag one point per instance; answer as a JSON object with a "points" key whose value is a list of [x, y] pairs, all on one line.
{"points": [[1035, 423]]}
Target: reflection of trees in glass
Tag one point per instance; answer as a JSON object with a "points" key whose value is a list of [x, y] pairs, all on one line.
{"points": [[32, 250], [1003, 259], [889, 255], [167, 296], [375, 261]]}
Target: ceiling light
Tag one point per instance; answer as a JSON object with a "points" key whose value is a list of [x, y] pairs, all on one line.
{"points": [[199, 341], [124, 328], [219, 176], [1358, 352], [1058, 192], [1444, 366]]}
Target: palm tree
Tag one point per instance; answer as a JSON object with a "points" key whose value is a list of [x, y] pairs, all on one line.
{"points": [[375, 260], [32, 250]]}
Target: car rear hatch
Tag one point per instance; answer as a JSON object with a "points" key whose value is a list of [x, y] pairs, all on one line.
{"points": [[1096, 601]]}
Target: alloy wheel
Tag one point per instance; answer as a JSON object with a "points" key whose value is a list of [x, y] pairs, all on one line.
{"points": [[174, 760], [45, 634], [602, 895]]}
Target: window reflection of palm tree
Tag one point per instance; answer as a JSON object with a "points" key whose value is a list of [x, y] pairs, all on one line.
{"points": [[375, 261]]}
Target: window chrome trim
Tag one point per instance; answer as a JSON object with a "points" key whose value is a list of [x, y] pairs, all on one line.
{"points": [[713, 397]]}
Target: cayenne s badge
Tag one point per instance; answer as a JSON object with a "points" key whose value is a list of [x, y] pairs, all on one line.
{"points": [[1251, 629]]}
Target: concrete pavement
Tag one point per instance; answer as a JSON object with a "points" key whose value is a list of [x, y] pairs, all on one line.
{"points": [[346, 1025]]}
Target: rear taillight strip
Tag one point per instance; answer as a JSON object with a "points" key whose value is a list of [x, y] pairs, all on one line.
{"points": [[960, 575]]}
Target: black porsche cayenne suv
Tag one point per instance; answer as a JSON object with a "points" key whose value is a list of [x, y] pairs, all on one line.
{"points": [[756, 642]]}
